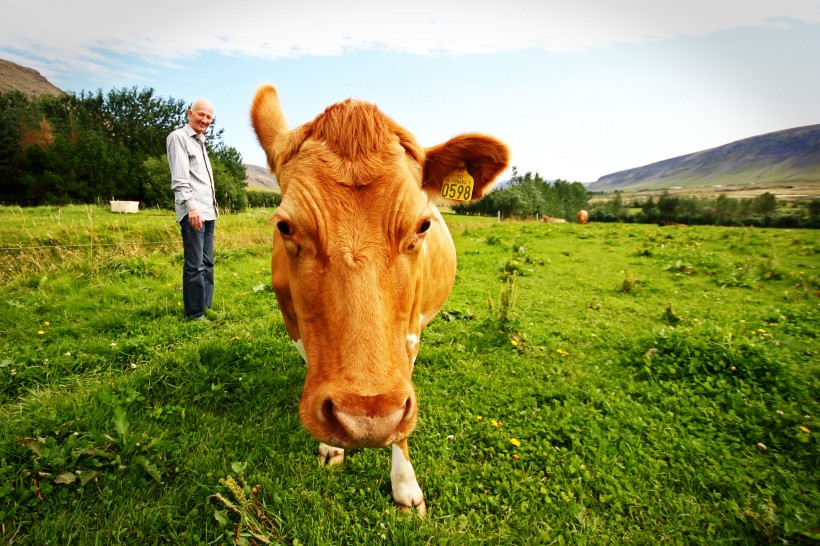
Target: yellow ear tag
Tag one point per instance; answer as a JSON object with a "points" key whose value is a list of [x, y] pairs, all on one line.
{"points": [[458, 186]]}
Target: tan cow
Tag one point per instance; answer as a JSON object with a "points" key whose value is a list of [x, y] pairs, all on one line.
{"points": [[583, 216], [362, 262], [551, 220]]}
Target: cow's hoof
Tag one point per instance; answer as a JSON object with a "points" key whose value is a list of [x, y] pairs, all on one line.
{"points": [[329, 455], [420, 509]]}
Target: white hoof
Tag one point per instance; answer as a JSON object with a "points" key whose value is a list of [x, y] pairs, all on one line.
{"points": [[329, 455]]}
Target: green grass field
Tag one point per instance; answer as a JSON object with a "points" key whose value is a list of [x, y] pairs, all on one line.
{"points": [[597, 384]]}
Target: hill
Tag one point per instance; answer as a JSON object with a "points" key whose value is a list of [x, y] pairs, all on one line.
{"points": [[261, 178], [28, 81], [783, 157]]}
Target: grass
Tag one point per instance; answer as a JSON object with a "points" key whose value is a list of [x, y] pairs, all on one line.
{"points": [[598, 384]]}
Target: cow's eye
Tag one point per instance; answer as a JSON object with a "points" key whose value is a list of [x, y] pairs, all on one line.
{"points": [[424, 226], [284, 228]]}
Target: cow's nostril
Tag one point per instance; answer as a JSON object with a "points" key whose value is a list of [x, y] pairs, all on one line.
{"points": [[326, 411], [409, 409]]}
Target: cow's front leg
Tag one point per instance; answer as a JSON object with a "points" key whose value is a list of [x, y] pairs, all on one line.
{"points": [[406, 490], [329, 455]]}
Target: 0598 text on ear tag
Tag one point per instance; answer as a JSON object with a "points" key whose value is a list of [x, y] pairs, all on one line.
{"points": [[458, 186]]}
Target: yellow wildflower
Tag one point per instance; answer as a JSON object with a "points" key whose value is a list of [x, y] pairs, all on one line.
{"points": [[40, 333], [516, 442], [561, 352], [479, 417], [234, 488], [496, 423], [514, 343], [47, 323], [805, 429]]}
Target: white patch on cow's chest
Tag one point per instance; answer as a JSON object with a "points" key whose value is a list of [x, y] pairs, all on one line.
{"points": [[301, 348], [413, 346], [412, 342]]}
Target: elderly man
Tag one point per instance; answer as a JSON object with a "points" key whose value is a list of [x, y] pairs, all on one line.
{"points": [[196, 209]]}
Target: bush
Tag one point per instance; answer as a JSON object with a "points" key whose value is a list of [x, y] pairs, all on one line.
{"points": [[263, 199]]}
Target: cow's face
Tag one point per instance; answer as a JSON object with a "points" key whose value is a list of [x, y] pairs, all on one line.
{"points": [[362, 260], [352, 256]]}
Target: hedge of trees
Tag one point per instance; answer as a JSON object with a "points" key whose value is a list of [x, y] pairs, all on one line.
{"points": [[530, 195], [763, 211], [87, 147]]}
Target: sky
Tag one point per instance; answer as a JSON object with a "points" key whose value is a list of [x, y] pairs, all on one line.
{"points": [[578, 89]]}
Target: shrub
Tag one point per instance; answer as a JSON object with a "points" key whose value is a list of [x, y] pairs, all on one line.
{"points": [[264, 199]]}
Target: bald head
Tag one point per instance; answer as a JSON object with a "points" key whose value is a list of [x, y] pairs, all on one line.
{"points": [[201, 115]]}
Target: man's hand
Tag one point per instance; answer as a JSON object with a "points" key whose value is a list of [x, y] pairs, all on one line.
{"points": [[195, 219]]}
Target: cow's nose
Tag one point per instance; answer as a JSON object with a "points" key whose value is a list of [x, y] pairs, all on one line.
{"points": [[370, 421]]}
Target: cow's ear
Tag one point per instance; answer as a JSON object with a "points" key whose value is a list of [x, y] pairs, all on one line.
{"points": [[269, 123], [484, 158]]}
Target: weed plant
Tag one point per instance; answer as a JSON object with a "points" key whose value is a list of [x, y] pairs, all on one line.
{"points": [[596, 384]]}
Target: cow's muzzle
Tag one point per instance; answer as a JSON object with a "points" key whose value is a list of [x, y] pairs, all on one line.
{"points": [[351, 421]]}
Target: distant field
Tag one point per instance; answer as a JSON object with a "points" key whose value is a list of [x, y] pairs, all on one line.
{"points": [[786, 191], [585, 384]]}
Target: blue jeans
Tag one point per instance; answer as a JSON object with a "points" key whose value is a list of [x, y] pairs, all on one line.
{"points": [[198, 269]]}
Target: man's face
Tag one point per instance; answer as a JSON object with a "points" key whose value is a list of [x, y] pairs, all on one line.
{"points": [[200, 117]]}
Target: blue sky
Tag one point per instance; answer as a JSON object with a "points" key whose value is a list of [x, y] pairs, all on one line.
{"points": [[577, 88]]}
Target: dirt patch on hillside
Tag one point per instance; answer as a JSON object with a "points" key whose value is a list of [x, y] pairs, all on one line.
{"points": [[28, 81]]}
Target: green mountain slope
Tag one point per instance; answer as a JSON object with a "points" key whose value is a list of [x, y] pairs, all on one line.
{"points": [[788, 156]]}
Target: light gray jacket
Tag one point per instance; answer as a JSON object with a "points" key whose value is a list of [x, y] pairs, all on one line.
{"points": [[191, 174]]}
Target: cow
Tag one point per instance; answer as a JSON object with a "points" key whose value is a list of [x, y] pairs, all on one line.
{"points": [[551, 220], [583, 216], [362, 262]]}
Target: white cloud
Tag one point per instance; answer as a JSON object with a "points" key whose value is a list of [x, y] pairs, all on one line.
{"points": [[89, 35], [577, 117]]}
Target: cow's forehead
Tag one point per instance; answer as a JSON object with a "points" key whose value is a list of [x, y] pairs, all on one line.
{"points": [[320, 168], [354, 129], [352, 143], [352, 175], [380, 184]]}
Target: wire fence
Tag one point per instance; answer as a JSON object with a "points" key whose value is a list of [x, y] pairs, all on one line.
{"points": [[23, 261], [85, 245], [230, 241]]}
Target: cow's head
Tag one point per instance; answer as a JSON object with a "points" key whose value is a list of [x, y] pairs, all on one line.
{"points": [[362, 260]]}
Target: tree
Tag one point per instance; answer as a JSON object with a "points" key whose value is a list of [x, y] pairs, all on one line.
{"points": [[156, 188], [615, 207], [529, 195], [726, 208], [90, 146], [137, 119], [667, 207], [650, 211], [764, 204], [9, 148], [230, 190], [814, 211]]}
